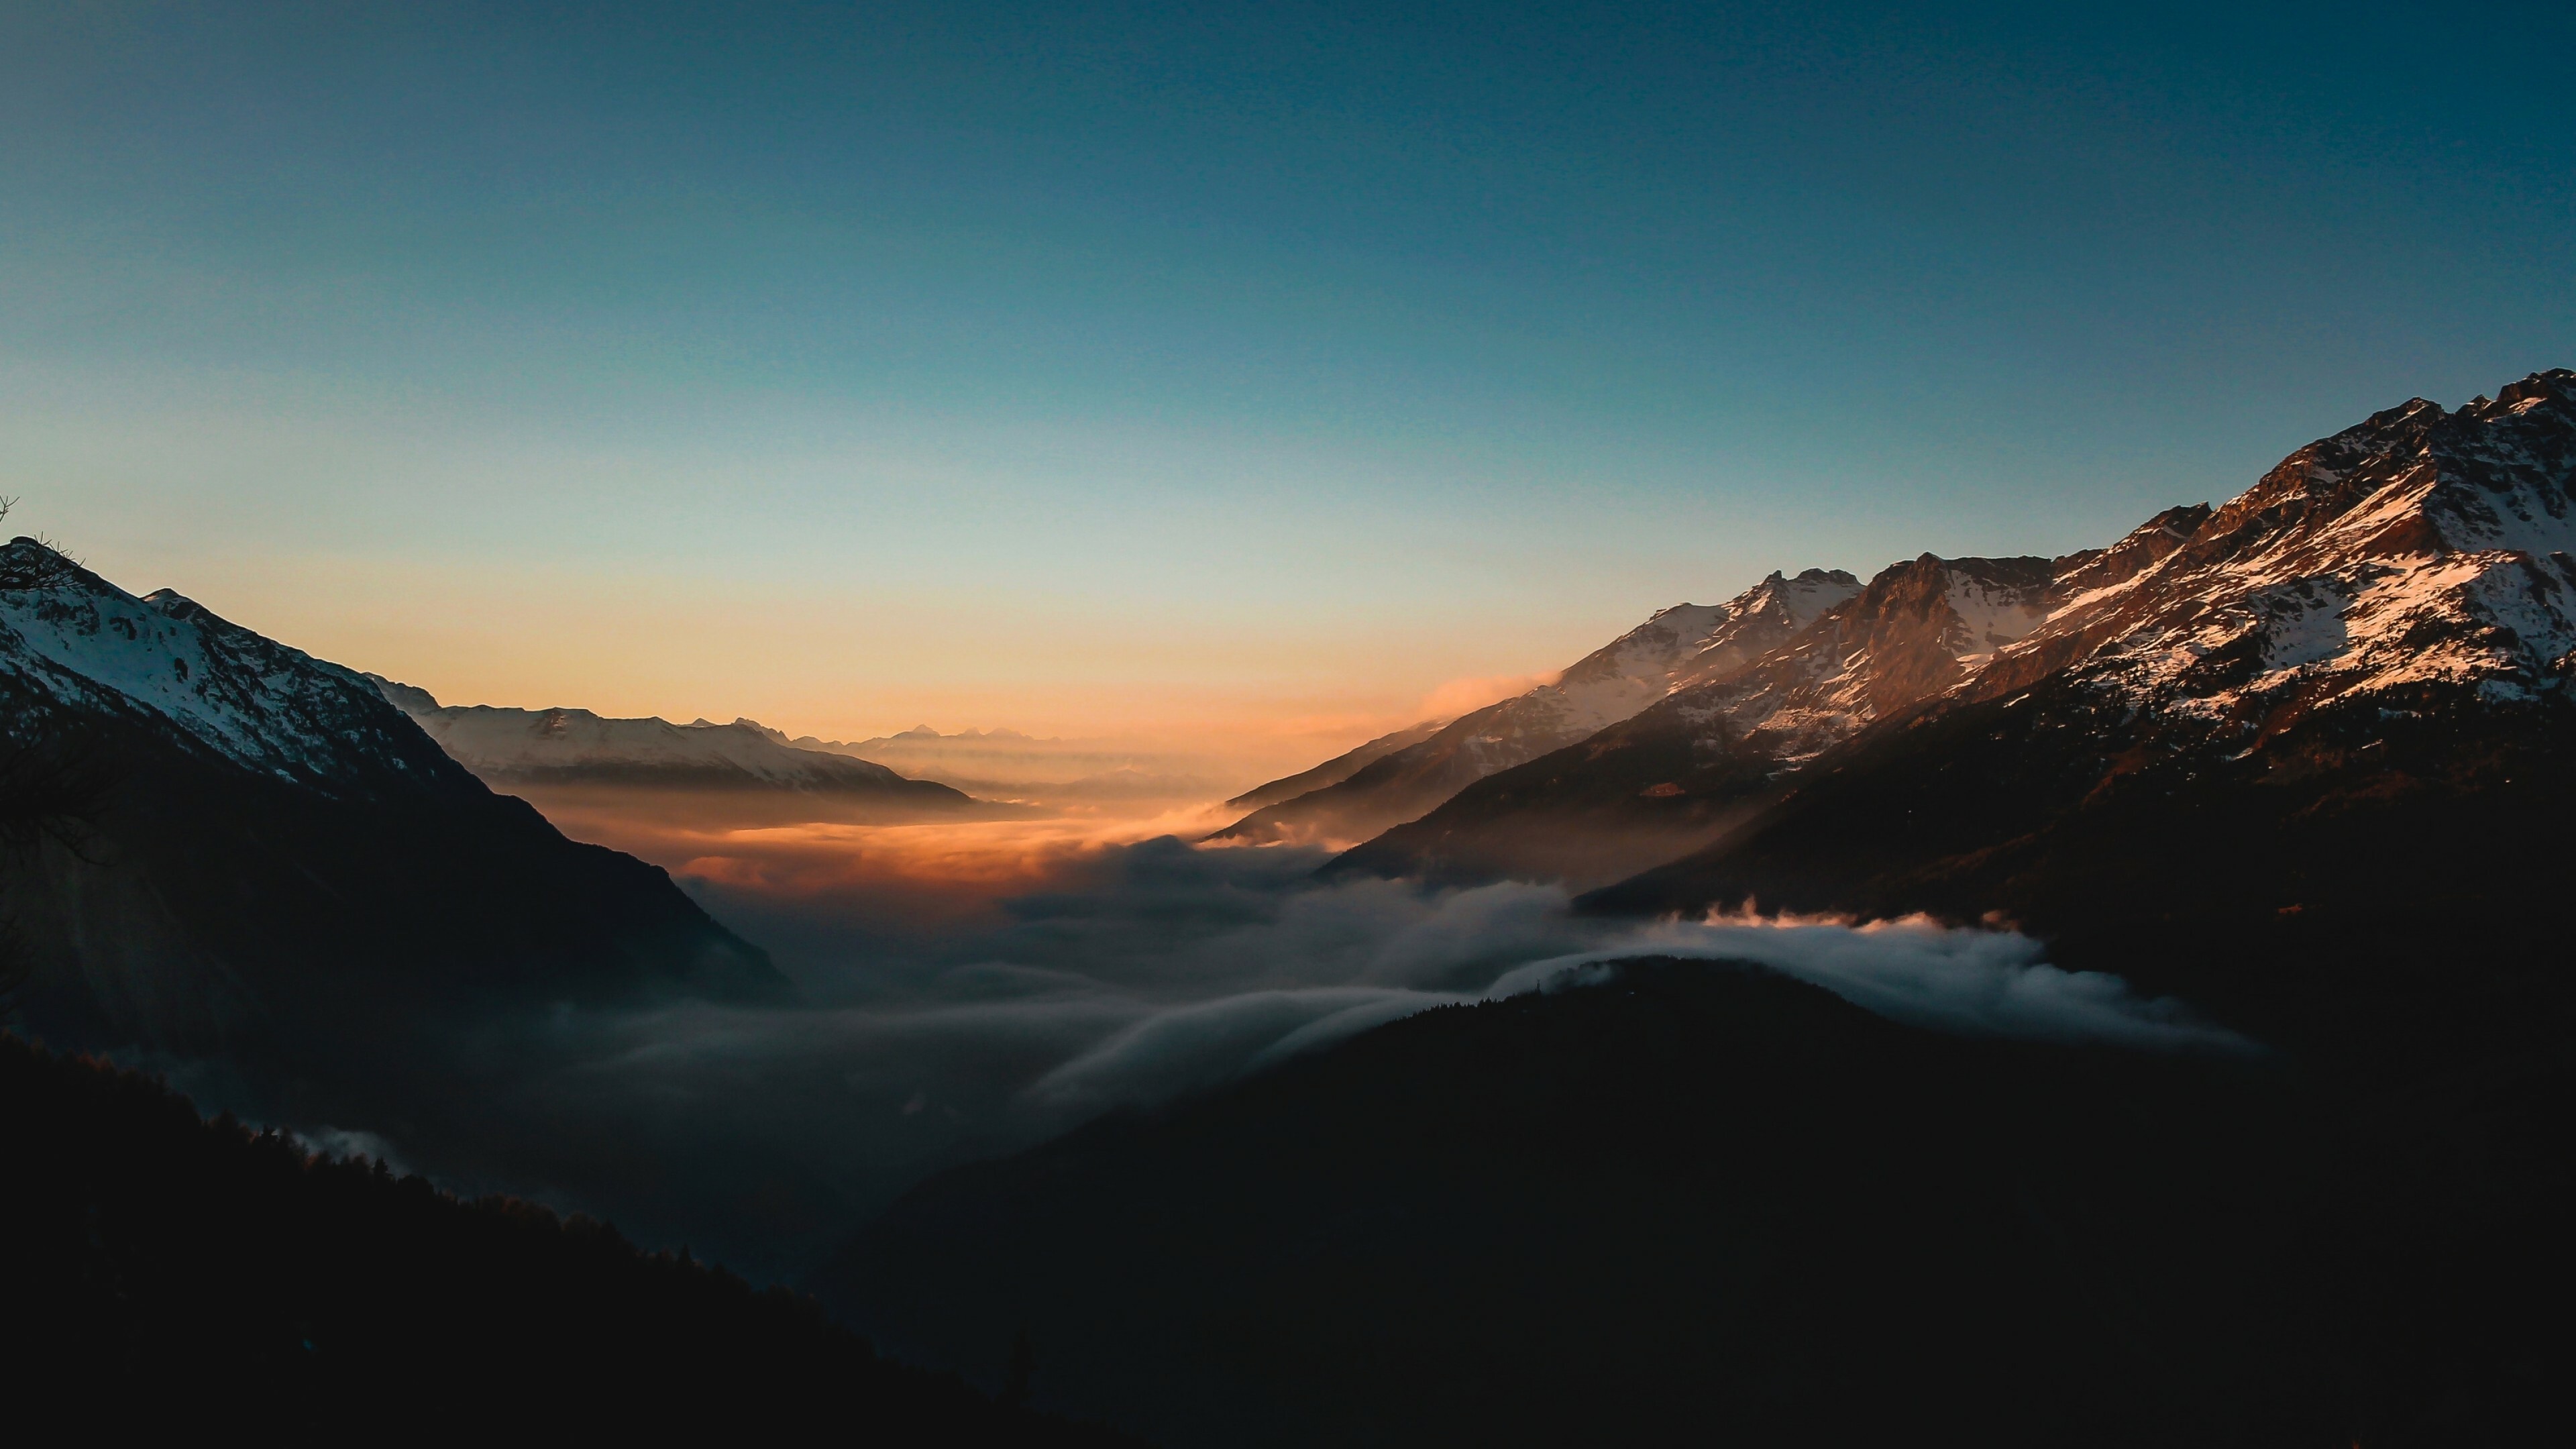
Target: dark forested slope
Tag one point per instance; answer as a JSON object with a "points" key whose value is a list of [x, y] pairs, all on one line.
{"points": [[164, 1270], [1708, 1204]]}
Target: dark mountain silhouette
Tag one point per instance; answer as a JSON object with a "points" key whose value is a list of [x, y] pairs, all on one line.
{"points": [[1707, 1204], [170, 1273]]}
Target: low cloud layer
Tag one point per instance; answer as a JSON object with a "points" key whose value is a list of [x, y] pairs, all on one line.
{"points": [[1914, 970], [943, 1025], [1406, 951]]}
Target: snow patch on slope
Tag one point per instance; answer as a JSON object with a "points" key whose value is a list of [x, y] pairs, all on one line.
{"points": [[2420, 549], [1990, 615]]}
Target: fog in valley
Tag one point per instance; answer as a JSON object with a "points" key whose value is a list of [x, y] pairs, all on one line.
{"points": [[966, 989]]}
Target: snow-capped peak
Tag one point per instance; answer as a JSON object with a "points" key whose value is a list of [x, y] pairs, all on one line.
{"points": [[1915, 630], [2421, 548], [1684, 644], [68, 635]]}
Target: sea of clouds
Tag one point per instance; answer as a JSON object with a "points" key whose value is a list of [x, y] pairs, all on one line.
{"points": [[1129, 975]]}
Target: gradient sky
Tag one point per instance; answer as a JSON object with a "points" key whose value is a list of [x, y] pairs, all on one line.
{"points": [[1082, 368]]}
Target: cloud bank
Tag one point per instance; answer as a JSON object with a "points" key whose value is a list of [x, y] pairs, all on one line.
{"points": [[1136, 972], [943, 1027], [1405, 952]]}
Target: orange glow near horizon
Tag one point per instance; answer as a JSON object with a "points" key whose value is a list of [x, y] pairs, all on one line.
{"points": [[942, 869], [1260, 694]]}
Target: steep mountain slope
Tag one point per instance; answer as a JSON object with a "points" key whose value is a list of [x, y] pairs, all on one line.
{"points": [[1665, 781], [2416, 561], [1337, 769], [270, 858], [1707, 1204], [1673, 650], [553, 748]]}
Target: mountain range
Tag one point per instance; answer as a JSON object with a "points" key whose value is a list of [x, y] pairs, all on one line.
{"points": [[2302, 760], [2415, 565], [555, 749], [1006, 765]]}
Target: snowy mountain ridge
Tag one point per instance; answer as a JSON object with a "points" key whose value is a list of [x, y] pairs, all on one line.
{"points": [[1917, 628], [2414, 568], [67, 634], [2419, 549], [510, 745], [164, 660], [1676, 647], [269, 853]]}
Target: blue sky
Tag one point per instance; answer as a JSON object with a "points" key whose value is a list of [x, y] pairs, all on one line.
{"points": [[1085, 367]]}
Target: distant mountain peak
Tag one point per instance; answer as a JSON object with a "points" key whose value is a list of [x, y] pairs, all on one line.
{"points": [[522, 747], [411, 699]]}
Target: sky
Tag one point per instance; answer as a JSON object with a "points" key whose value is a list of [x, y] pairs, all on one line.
{"points": [[1283, 371]]}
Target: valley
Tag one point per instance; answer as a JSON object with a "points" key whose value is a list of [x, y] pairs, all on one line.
{"points": [[2105, 997]]}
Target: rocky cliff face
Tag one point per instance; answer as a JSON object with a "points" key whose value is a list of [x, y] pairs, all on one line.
{"points": [[1917, 629]]}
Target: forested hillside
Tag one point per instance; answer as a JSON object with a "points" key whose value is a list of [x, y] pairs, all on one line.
{"points": [[163, 1266]]}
